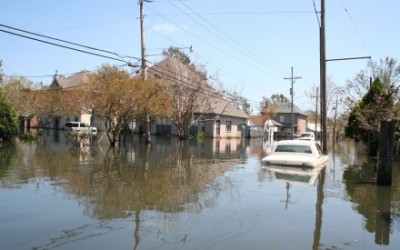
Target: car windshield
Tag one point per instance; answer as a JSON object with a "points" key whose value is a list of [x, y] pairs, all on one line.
{"points": [[294, 149], [305, 135]]}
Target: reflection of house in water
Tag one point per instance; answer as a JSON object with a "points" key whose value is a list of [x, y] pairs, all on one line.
{"points": [[167, 175], [167, 146]]}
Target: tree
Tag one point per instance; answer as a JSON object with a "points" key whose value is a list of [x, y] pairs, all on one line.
{"points": [[188, 92], [8, 118], [19, 91], [279, 98], [378, 104], [240, 102], [111, 91], [120, 98], [174, 52], [387, 70]]}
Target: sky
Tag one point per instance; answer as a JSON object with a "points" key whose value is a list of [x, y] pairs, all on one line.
{"points": [[249, 46]]}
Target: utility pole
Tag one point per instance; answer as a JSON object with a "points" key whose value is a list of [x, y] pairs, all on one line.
{"points": [[147, 122], [292, 78], [323, 78], [316, 114], [142, 39]]}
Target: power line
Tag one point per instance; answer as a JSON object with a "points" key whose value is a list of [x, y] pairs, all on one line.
{"points": [[242, 13], [63, 46], [242, 48], [210, 44], [355, 27], [60, 40]]}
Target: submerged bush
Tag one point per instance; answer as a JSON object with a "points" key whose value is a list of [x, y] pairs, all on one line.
{"points": [[29, 137]]}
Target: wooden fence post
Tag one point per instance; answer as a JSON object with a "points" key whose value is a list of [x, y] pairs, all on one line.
{"points": [[385, 154]]}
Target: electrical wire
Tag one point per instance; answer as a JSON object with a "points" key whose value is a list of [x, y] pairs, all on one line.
{"points": [[210, 44], [65, 47], [72, 43], [355, 27], [239, 46]]}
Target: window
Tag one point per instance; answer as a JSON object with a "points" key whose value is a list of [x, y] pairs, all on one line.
{"points": [[228, 126], [281, 119], [293, 149]]}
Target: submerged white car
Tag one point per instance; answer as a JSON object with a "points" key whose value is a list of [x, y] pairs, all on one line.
{"points": [[308, 136], [298, 153], [80, 127]]}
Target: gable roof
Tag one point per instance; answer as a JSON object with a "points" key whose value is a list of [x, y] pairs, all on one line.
{"points": [[286, 108], [171, 69], [71, 81], [257, 120]]}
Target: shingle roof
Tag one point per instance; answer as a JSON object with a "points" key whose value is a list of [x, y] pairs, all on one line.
{"points": [[257, 120], [171, 69], [285, 107], [72, 81]]}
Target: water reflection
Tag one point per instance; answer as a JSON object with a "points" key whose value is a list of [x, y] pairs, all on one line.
{"points": [[173, 194], [378, 204], [294, 175]]}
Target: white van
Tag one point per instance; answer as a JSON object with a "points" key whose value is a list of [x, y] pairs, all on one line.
{"points": [[307, 136], [80, 127]]}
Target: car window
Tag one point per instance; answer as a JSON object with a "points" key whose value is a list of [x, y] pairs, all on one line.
{"points": [[294, 149]]}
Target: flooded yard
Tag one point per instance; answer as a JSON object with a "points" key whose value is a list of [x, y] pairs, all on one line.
{"points": [[175, 194]]}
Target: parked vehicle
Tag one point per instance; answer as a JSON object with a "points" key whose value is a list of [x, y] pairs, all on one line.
{"points": [[308, 136], [80, 127], [300, 153]]}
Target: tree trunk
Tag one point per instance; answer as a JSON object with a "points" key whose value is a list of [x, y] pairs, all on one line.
{"points": [[148, 129]]}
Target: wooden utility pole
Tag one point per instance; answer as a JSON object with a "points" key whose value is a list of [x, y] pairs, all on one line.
{"points": [[323, 78], [147, 122], [292, 78]]}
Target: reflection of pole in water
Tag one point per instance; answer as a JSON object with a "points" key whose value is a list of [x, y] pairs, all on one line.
{"points": [[382, 215], [287, 194], [137, 229], [318, 210]]}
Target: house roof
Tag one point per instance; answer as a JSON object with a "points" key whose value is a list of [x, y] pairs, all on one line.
{"points": [[285, 108], [225, 108], [171, 69], [257, 120], [72, 81], [272, 123]]}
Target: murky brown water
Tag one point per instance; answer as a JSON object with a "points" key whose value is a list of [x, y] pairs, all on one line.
{"points": [[175, 195]]}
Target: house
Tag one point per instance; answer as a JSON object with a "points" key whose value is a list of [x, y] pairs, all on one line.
{"points": [[67, 83], [283, 115], [261, 127], [257, 125], [218, 119]]}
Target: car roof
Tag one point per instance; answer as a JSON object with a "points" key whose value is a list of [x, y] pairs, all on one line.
{"points": [[295, 142]]}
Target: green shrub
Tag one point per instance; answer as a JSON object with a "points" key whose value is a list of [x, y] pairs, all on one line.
{"points": [[201, 136], [29, 137]]}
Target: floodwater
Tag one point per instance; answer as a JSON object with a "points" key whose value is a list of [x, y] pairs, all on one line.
{"points": [[190, 195]]}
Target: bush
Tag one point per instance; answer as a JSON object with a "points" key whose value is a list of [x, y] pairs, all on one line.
{"points": [[29, 137], [201, 136], [8, 118]]}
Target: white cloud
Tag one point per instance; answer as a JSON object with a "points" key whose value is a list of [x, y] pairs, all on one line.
{"points": [[165, 28]]}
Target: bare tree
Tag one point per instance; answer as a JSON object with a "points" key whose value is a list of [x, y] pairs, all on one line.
{"points": [[387, 70], [190, 95]]}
